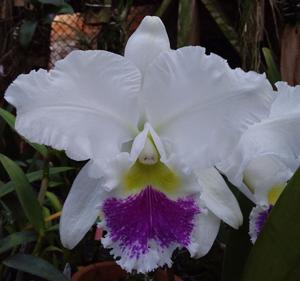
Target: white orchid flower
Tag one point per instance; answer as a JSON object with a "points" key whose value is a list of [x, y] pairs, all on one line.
{"points": [[152, 124], [267, 156]]}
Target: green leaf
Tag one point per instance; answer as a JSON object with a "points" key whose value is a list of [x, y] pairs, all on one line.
{"points": [[53, 184], [54, 227], [54, 201], [238, 245], [25, 193], [272, 70], [53, 249], [35, 266], [46, 212], [39, 148], [16, 239], [8, 117], [34, 176], [10, 120], [65, 9], [276, 253], [223, 22], [185, 22], [27, 31], [162, 8]]}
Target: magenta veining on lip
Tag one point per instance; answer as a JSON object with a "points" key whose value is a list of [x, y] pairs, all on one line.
{"points": [[149, 216]]}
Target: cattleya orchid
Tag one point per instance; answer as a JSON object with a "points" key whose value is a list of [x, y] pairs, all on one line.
{"points": [[152, 124], [267, 156]]}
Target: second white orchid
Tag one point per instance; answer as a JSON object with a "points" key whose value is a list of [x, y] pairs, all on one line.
{"points": [[267, 156]]}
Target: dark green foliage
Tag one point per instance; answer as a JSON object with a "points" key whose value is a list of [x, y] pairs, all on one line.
{"points": [[35, 266]]}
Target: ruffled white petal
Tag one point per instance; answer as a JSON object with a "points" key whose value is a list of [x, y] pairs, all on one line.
{"points": [[81, 208], [204, 233], [218, 198], [202, 106], [147, 42], [87, 105], [263, 173], [276, 136]]}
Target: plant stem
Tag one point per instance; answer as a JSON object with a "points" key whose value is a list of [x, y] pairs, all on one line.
{"points": [[37, 246], [45, 182], [47, 219]]}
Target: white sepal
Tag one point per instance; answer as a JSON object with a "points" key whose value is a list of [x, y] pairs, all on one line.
{"points": [[147, 42], [218, 198], [80, 209], [205, 231]]}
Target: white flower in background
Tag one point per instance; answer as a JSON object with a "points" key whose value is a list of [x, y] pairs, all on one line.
{"points": [[152, 124], [267, 155]]}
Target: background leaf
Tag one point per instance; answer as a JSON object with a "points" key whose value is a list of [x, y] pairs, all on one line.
{"points": [[65, 9], [223, 22], [8, 117], [25, 193], [185, 22], [31, 177], [16, 239], [54, 201], [27, 31], [276, 253], [35, 266], [11, 120], [272, 70]]}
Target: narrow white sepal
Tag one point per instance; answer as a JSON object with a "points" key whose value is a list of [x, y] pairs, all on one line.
{"points": [[80, 209], [218, 198]]}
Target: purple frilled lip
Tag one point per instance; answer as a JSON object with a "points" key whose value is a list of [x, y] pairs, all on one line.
{"points": [[261, 219], [149, 217]]}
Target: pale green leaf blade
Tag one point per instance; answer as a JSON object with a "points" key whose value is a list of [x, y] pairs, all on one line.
{"points": [[54, 201]]}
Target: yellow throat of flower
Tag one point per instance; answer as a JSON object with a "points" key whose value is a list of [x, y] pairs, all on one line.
{"points": [[148, 170], [274, 193]]}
